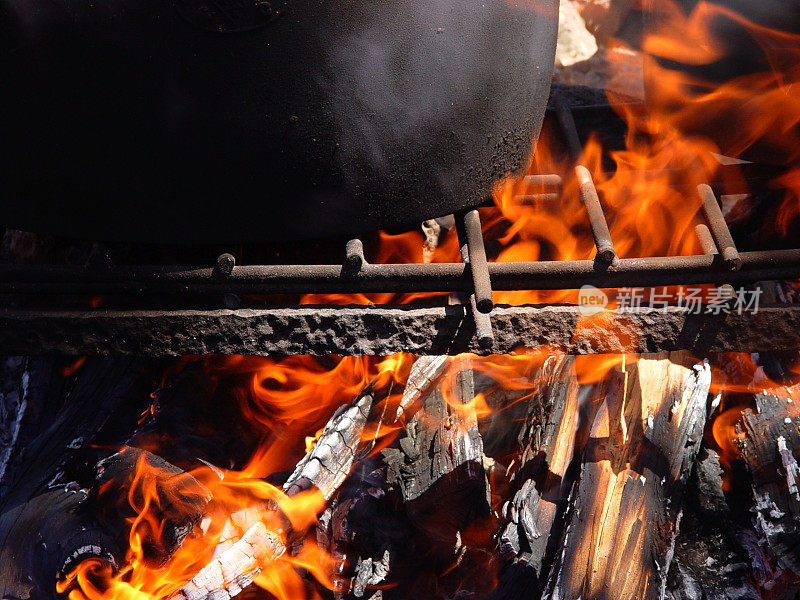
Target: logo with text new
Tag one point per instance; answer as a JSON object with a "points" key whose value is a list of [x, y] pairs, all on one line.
{"points": [[591, 300]]}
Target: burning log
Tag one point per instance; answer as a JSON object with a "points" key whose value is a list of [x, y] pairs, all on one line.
{"points": [[436, 469], [626, 506], [363, 526], [332, 457], [770, 445], [325, 467], [546, 444], [47, 536], [127, 478], [440, 439]]}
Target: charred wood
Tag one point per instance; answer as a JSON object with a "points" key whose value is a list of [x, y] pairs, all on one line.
{"points": [[184, 417], [770, 446], [717, 556], [438, 439], [436, 473], [64, 411], [712, 564], [539, 481], [13, 404], [42, 537], [361, 531], [708, 483], [328, 463]]}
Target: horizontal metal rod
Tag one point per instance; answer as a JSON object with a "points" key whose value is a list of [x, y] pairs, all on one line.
{"points": [[431, 277], [545, 181], [549, 198]]}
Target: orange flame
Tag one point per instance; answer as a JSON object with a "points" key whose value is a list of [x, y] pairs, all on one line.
{"points": [[285, 398]]}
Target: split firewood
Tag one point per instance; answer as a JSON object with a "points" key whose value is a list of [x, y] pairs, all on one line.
{"points": [[539, 481], [770, 446], [425, 372], [361, 527], [626, 507], [325, 467], [436, 470]]}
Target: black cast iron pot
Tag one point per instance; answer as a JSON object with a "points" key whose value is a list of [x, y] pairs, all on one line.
{"points": [[251, 120]]}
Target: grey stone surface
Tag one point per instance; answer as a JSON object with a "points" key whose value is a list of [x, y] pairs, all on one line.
{"points": [[323, 330]]}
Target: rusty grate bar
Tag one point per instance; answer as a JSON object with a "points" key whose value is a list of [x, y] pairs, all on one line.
{"points": [[597, 220], [432, 277], [469, 233], [719, 228], [483, 324], [473, 278]]}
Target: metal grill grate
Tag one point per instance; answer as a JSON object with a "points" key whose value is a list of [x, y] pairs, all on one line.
{"points": [[473, 279]]}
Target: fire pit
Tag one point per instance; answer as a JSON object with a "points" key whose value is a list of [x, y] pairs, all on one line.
{"points": [[584, 388]]}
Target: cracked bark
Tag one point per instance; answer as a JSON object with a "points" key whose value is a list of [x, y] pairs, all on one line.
{"points": [[770, 447], [539, 482]]}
